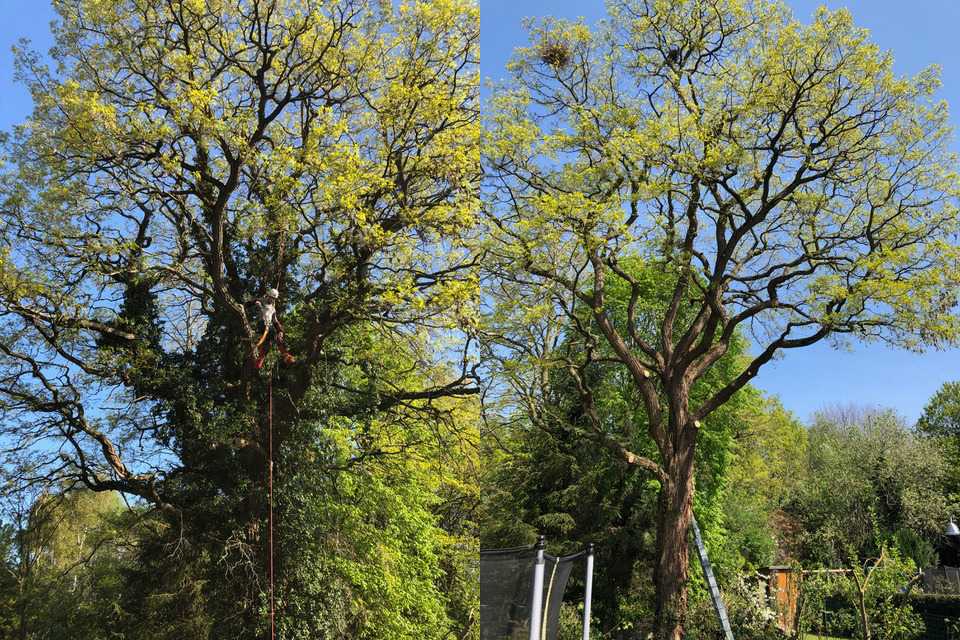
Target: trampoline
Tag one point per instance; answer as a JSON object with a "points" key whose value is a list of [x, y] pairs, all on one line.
{"points": [[522, 588]]}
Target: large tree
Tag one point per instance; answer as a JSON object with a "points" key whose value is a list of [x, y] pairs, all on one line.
{"points": [[794, 186], [555, 462], [182, 159]]}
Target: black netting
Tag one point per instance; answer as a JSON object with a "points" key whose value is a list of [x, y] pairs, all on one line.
{"points": [[506, 591], [506, 584]]}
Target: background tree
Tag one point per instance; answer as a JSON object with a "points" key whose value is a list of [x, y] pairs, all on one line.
{"points": [[794, 184], [874, 590], [769, 462], [181, 159], [941, 422], [64, 564], [870, 481], [941, 415]]}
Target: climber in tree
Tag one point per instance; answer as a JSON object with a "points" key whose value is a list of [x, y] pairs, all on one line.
{"points": [[268, 315]]}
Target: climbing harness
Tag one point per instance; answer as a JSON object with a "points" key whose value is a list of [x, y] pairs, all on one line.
{"points": [[271, 322]]}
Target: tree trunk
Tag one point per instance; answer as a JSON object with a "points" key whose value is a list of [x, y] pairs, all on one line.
{"points": [[673, 525]]}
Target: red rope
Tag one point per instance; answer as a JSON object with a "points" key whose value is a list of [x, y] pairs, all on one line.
{"points": [[273, 628]]}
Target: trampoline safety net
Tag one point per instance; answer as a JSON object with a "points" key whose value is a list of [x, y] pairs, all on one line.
{"points": [[506, 589]]}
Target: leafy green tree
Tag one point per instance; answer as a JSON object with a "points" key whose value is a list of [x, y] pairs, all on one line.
{"points": [[380, 548], [65, 560], [768, 464], [941, 415], [870, 480], [873, 591], [182, 159], [8, 580], [941, 421], [788, 181]]}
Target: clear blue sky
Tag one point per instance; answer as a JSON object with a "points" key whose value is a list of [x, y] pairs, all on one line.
{"points": [[920, 33]]}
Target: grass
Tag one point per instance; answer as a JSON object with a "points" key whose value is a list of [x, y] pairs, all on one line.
{"points": [[813, 636]]}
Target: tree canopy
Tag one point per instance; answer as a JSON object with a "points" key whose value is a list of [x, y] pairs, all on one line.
{"points": [[183, 159]]}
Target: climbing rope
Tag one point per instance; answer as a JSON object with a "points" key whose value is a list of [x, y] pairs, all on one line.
{"points": [[267, 306], [273, 628]]}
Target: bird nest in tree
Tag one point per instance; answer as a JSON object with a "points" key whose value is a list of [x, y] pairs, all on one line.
{"points": [[556, 54]]}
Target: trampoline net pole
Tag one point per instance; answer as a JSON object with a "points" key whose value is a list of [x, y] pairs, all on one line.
{"points": [[588, 593], [536, 597]]}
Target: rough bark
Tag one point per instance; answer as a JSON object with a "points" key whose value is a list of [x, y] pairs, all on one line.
{"points": [[675, 514]]}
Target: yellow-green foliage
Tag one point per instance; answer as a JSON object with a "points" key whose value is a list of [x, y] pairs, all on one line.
{"points": [[338, 127], [181, 159], [809, 164]]}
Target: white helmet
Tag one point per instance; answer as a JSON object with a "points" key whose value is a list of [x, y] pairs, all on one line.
{"points": [[272, 293]]}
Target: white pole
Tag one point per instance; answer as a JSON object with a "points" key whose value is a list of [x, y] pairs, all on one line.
{"points": [[536, 599], [588, 593]]}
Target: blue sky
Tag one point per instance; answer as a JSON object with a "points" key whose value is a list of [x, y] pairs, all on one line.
{"points": [[21, 19], [920, 33]]}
